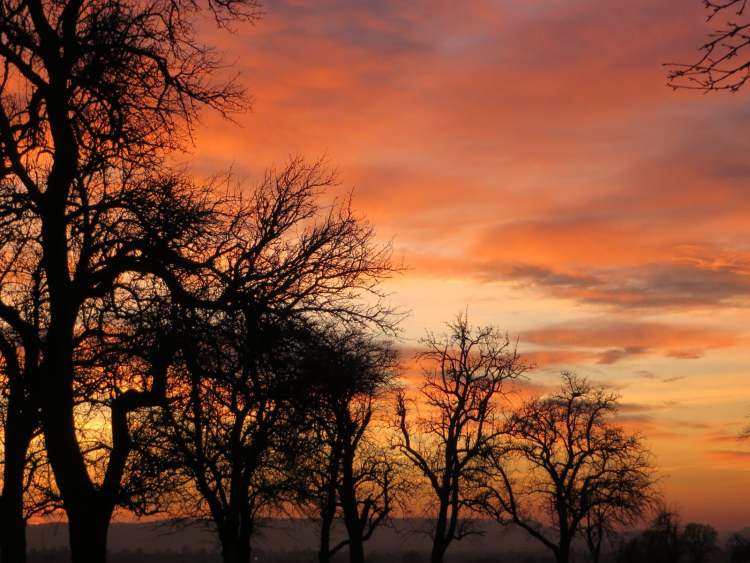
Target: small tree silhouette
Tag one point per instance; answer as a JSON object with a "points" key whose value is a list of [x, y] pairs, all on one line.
{"points": [[700, 541], [564, 461], [347, 472], [739, 548], [666, 540], [450, 444]]}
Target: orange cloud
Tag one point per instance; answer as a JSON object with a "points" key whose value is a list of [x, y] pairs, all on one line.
{"points": [[548, 358], [740, 457], [612, 341]]}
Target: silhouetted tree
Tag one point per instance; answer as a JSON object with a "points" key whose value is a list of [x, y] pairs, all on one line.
{"points": [[348, 473], [603, 524], [229, 416], [451, 443], [564, 459], [739, 548], [91, 91], [21, 290], [700, 541], [25, 301], [724, 63], [237, 397], [599, 528], [661, 541], [20, 425], [25, 476]]}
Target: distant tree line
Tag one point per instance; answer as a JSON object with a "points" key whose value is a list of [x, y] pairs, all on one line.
{"points": [[666, 539]]}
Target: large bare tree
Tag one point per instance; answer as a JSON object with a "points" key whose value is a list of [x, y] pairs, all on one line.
{"points": [[450, 431], [93, 95]]}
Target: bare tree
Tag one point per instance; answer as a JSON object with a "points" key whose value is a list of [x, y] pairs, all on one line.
{"points": [[21, 286], [724, 63], [25, 472], [599, 528], [228, 417], [93, 94], [236, 393], [603, 526], [347, 473], [565, 461], [20, 426], [451, 444]]}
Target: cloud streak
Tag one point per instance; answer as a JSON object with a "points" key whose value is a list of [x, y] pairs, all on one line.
{"points": [[608, 342]]}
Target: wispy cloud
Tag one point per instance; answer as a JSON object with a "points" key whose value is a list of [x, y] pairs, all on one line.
{"points": [[610, 341]]}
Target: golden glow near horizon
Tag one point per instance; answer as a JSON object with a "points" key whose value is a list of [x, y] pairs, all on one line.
{"points": [[529, 162]]}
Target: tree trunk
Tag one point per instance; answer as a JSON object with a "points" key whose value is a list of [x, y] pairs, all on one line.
{"points": [[439, 546], [88, 537], [324, 549], [356, 550], [18, 432], [439, 541], [13, 541], [88, 514], [234, 549], [348, 494], [232, 552], [354, 530], [596, 554], [562, 554], [88, 520], [594, 539], [12, 535]]}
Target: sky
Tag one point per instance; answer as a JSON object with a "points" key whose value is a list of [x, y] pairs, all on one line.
{"points": [[530, 165]]}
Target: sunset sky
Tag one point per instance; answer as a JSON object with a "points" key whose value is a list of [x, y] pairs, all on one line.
{"points": [[528, 162]]}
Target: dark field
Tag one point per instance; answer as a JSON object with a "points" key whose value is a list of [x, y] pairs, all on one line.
{"points": [[291, 541], [280, 541]]}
